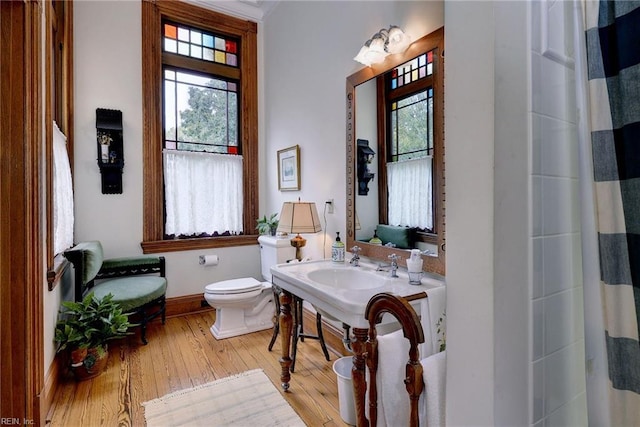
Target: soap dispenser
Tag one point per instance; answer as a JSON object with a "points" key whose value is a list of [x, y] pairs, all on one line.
{"points": [[375, 240], [337, 249]]}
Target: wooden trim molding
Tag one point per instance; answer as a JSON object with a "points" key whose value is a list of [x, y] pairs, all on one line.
{"points": [[187, 304], [21, 245], [153, 223]]}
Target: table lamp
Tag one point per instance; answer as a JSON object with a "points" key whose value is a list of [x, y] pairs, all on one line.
{"points": [[299, 217]]}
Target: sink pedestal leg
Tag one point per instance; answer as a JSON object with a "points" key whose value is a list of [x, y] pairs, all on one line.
{"points": [[286, 327], [358, 374]]}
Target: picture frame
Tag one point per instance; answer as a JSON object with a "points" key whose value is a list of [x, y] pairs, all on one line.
{"points": [[289, 169]]}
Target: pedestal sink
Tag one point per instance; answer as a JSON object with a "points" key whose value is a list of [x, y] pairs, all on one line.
{"points": [[341, 292]]}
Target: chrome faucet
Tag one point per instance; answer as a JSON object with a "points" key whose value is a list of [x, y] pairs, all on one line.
{"points": [[394, 265], [355, 259], [383, 267]]}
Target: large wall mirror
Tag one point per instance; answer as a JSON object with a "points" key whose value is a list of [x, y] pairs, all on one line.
{"points": [[395, 155]]}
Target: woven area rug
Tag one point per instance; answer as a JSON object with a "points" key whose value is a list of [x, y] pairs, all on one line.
{"points": [[246, 399]]}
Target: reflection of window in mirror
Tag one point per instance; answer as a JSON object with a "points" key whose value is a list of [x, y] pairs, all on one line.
{"points": [[408, 93], [59, 142]]}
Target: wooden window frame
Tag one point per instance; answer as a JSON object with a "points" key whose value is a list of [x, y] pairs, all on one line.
{"points": [[153, 13], [58, 107]]}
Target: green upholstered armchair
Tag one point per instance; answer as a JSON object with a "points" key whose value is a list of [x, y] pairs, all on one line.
{"points": [[137, 283]]}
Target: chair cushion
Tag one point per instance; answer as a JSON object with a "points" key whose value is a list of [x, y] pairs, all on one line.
{"points": [[402, 237], [132, 292], [92, 255]]}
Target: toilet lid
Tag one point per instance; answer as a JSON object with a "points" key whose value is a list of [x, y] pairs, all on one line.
{"points": [[234, 286]]}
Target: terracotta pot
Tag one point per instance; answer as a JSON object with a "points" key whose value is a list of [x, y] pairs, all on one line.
{"points": [[77, 356], [93, 364]]}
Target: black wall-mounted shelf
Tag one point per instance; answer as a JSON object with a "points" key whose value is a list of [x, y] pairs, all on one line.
{"points": [[110, 149]]}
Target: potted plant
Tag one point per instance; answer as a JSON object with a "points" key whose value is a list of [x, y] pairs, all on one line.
{"points": [[84, 329], [268, 225]]}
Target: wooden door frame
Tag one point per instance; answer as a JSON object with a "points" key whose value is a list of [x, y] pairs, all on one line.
{"points": [[22, 272]]}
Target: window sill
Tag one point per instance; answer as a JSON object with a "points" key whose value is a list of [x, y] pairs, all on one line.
{"points": [[158, 246], [54, 275]]}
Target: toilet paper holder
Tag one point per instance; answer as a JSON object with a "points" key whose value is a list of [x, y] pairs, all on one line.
{"points": [[208, 260]]}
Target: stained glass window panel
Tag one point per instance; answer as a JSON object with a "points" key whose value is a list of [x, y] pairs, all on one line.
{"points": [[170, 31], [411, 71], [196, 51], [196, 37], [183, 34], [170, 45], [199, 44], [207, 40], [183, 48]]}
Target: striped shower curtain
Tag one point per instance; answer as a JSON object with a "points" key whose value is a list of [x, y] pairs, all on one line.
{"points": [[613, 56]]}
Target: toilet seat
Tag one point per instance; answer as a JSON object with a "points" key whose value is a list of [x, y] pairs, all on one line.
{"points": [[235, 286]]}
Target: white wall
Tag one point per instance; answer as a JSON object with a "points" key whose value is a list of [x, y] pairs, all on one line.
{"points": [[108, 71], [557, 313], [469, 149]]}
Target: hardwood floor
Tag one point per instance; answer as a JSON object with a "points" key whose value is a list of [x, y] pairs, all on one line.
{"points": [[182, 354]]}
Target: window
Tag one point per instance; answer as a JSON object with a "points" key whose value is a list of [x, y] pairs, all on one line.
{"points": [[200, 145], [59, 133], [410, 106]]}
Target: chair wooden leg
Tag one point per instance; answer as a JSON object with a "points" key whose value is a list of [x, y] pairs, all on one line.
{"points": [[143, 328]]}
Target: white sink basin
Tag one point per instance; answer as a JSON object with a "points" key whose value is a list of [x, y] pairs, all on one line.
{"points": [[346, 278], [340, 291]]}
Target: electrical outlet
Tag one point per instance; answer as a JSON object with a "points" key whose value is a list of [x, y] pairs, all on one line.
{"points": [[330, 207]]}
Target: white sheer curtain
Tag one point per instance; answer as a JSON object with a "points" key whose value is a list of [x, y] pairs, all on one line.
{"points": [[409, 197], [203, 193], [62, 193], [597, 379]]}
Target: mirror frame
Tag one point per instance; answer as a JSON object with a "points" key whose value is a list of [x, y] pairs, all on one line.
{"points": [[434, 40]]}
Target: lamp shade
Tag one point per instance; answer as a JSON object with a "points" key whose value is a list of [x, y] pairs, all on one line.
{"points": [[397, 41], [299, 217]]}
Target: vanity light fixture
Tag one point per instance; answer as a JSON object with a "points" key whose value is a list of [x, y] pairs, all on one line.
{"points": [[299, 217], [384, 42]]}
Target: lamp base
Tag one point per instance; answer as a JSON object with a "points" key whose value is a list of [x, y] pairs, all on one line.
{"points": [[298, 242]]}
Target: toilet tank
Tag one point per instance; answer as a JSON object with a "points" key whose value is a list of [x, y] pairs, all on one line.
{"points": [[274, 251]]}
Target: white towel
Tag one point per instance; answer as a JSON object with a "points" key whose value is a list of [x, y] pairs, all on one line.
{"points": [[432, 401], [393, 400], [431, 310], [393, 354]]}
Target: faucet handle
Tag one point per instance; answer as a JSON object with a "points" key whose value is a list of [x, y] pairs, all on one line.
{"points": [[393, 257], [356, 250]]}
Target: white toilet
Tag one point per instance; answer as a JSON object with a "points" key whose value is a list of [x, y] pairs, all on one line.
{"points": [[246, 305]]}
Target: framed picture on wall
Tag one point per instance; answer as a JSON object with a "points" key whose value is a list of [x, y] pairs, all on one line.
{"points": [[289, 168]]}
